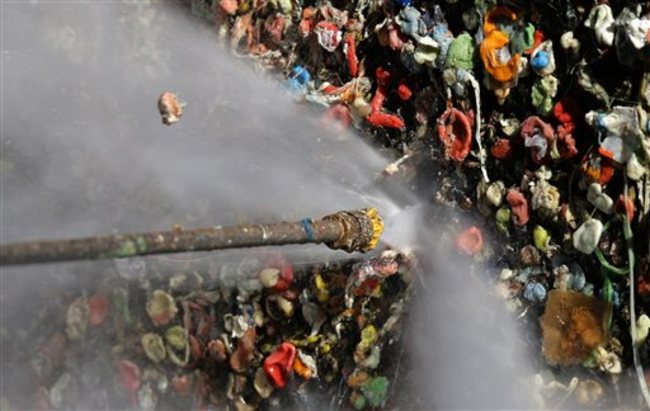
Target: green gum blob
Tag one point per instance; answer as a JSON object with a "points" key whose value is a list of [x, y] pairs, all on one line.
{"points": [[461, 53], [358, 401], [375, 391], [368, 336], [503, 219], [175, 337], [153, 347], [521, 40], [541, 237], [542, 94]]}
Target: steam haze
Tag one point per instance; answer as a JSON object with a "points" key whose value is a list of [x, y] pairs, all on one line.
{"points": [[84, 153]]}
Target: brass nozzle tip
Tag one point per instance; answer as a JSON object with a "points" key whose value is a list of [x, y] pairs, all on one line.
{"points": [[377, 227], [361, 229]]}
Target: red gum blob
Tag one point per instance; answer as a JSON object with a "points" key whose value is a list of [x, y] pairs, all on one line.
{"points": [[470, 241], [502, 149], [327, 25], [229, 6], [366, 288], [351, 54], [528, 128], [519, 206], [643, 285], [404, 92], [330, 89], [274, 29], [606, 153], [130, 379], [376, 117], [286, 272], [567, 111], [383, 77], [623, 206], [455, 132], [565, 211], [98, 305], [385, 120], [307, 22], [182, 385], [340, 113], [567, 146], [279, 363], [378, 100], [395, 37]]}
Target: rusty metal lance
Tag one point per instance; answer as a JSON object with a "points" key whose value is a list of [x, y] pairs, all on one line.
{"points": [[357, 230]]}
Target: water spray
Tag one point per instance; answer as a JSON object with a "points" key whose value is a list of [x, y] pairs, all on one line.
{"points": [[351, 231]]}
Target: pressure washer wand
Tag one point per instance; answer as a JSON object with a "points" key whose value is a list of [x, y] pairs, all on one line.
{"points": [[357, 230]]}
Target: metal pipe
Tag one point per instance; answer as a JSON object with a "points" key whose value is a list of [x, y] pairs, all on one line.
{"points": [[357, 230]]}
